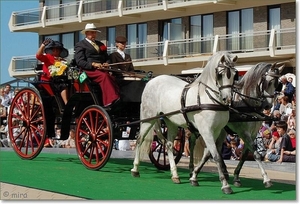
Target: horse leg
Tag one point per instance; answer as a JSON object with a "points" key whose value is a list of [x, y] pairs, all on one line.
{"points": [[175, 178], [136, 162], [266, 180], [142, 144], [225, 186], [196, 170], [172, 132], [236, 177], [236, 180], [219, 143], [192, 146]]}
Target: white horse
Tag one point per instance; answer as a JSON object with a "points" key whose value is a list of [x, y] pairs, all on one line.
{"points": [[202, 105], [255, 91]]}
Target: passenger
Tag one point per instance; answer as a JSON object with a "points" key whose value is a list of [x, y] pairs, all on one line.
{"points": [[91, 56], [121, 59], [55, 52]]}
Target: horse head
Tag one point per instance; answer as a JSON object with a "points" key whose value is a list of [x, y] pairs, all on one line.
{"points": [[269, 83], [225, 73], [256, 88]]}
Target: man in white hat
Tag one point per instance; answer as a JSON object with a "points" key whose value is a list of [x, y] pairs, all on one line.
{"points": [[91, 56]]}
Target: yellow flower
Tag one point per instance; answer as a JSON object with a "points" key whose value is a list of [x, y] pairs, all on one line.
{"points": [[58, 68]]}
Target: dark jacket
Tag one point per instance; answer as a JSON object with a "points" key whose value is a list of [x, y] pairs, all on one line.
{"points": [[117, 58], [289, 90], [85, 54]]}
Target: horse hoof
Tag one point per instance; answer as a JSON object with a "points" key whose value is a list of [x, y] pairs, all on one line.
{"points": [[135, 173], [237, 184], [227, 190], [268, 184], [176, 180], [194, 183]]}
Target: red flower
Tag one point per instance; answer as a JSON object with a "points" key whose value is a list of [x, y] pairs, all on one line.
{"points": [[103, 48]]}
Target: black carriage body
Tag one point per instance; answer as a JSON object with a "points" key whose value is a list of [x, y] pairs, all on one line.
{"points": [[86, 94], [40, 109]]}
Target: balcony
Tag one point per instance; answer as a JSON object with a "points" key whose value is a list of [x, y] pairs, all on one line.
{"points": [[70, 16], [171, 57]]}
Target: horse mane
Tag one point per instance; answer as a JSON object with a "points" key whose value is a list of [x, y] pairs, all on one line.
{"points": [[252, 77], [212, 63]]}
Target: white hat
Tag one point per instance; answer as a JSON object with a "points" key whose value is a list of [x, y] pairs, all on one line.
{"points": [[90, 27]]}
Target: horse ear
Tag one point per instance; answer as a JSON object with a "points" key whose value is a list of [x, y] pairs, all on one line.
{"points": [[222, 59], [280, 68], [235, 59]]}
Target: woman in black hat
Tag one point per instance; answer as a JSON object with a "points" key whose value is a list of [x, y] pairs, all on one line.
{"points": [[55, 52]]}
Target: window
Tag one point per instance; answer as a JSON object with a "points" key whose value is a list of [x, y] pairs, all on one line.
{"points": [[274, 22], [202, 32], [172, 29], [240, 30], [52, 14], [135, 3], [136, 40], [111, 36]]}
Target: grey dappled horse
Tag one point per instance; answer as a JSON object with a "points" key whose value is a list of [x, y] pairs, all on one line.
{"points": [[253, 93], [203, 103]]}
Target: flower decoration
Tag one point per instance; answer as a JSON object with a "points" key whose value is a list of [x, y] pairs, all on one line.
{"points": [[103, 48], [58, 68]]}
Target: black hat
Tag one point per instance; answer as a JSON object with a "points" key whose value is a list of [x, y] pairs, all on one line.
{"points": [[64, 52], [121, 39]]}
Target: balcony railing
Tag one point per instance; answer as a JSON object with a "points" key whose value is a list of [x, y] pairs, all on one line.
{"points": [[269, 41], [79, 10]]}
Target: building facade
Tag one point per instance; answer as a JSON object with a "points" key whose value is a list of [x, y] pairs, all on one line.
{"points": [[168, 36]]}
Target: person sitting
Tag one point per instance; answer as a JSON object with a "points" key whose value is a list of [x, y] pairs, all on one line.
{"points": [[274, 147], [55, 52], [3, 114], [70, 142], [285, 108], [92, 57], [230, 143], [120, 60], [286, 88], [288, 143]]}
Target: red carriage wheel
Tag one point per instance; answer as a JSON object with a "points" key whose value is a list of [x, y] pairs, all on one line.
{"points": [[158, 153], [26, 124], [94, 138]]}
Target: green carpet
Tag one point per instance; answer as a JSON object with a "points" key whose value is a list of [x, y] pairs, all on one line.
{"points": [[65, 174]]}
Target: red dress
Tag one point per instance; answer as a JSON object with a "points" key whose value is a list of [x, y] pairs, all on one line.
{"points": [[48, 60]]}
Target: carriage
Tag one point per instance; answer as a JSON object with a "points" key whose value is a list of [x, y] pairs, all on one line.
{"points": [[36, 111], [202, 106]]}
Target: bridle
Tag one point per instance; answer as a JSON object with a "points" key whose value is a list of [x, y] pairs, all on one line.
{"points": [[262, 86], [219, 72]]}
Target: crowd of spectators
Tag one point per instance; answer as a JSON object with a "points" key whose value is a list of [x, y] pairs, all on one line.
{"points": [[276, 139]]}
